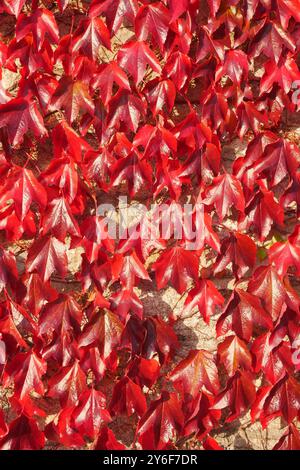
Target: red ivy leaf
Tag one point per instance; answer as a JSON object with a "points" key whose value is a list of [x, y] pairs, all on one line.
{"points": [[134, 57], [234, 354], [242, 314], [18, 116], [178, 266], [73, 97], [41, 24], [115, 11], [153, 20], [127, 398], [67, 385], [107, 441], [160, 423], [90, 35], [290, 440], [206, 297], [226, 192], [46, 256], [90, 413], [282, 399], [27, 370], [238, 395], [196, 371], [23, 434]]}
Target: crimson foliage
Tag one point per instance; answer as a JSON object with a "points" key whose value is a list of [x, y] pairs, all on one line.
{"points": [[146, 97]]}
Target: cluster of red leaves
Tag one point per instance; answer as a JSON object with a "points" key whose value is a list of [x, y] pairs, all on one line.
{"points": [[91, 112]]}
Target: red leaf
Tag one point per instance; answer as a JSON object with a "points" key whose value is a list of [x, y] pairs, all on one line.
{"points": [[279, 159], [37, 293], [104, 330], [153, 20], [200, 418], [226, 192], [133, 57], [107, 441], [266, 284], [238, 396], [284, 255], [284, 74], [115, 11], [144, 371], [61, 316], [23, 434], [108, 75], [126, 301], [235, 66], [41, 24], [26, 370], [61, 173], [95, 235], [135, 172], [204, 296], [65, 139], [131, 268], [18, 116], [273, 361], [126, 108], [283, 399], [31, 62], [8, 269], [3, 425], [205, 233], [211, 444], [160, 339], [242, 314], [178, 68], [238, 249], [25, 189], [60, 430], [46, 256], [271, 40], [178, 266], [250, 118], [160, 94], [90, 413], [160, 423], [67, 385], [214, 6], [73, 97], [263, 210], [192, 133], [290, 440], [234, 354], [14, 6], [196, 371], [90, 35], [288, 9], [127, 398], [58, 220]]}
